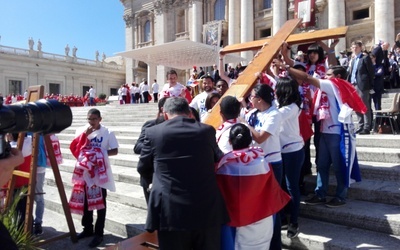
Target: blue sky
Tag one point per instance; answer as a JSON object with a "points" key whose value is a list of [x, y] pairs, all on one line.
{"points": [[89, 25]]}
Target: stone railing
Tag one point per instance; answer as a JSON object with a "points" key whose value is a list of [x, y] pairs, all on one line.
{"points": [[182, 36], [145, 44], [56, 57], [264, 13], [15, 51]]}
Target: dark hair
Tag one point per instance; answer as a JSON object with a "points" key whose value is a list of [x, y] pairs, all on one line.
{"points": [[171, 72], [300, 67], [209, 77], [287, 92], [230, 107], [358, 43], [176, 106], [94, 112], [265, 92], [161, 103], [223, 82], [195, 114], [209, 99], [339, 70], [240, 136], [319, 50]]}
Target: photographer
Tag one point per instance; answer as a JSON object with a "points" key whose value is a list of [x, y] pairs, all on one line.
{"points": [[7, 166]]}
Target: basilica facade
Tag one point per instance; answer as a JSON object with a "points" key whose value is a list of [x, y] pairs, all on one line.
{"points": [[153, 23]]}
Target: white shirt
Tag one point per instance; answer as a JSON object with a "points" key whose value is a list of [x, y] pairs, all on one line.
{"points": [[155, 87], [199, 103], [92, 92], [290, 138], [144, 88], [175, 91], [101, 138], [222, 135], [330, 125], [269, 121]]}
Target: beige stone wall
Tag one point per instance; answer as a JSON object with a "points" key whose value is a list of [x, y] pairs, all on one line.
{"points": [[72, 77]]}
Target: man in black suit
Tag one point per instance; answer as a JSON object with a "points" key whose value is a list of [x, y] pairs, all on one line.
{"points": [[146, 173], [185, 206], [361, 75]]}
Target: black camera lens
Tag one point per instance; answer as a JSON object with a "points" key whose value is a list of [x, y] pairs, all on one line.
{"points": [[43, 116]]}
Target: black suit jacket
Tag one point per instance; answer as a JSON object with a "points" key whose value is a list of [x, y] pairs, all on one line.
{"points": [[146, 173], [365, 73], [184, 195]]}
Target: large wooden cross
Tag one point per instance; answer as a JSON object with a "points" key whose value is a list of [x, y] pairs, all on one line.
{"points": [[267, 51]]}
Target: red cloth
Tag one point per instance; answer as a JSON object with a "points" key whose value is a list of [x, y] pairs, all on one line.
{"points": [[349, 95], [249, 187], [305, 127], [77, 144]]}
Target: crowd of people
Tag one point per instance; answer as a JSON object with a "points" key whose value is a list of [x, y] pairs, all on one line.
{"points": [[89, 99], [138, 93]]}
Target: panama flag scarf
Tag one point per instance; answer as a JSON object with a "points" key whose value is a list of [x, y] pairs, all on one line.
{"points": [[249, 187]]}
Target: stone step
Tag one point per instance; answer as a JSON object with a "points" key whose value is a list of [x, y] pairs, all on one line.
{"points": [[378, 217], [121, 219], [319, 235], [367, 190], [51, 230]]}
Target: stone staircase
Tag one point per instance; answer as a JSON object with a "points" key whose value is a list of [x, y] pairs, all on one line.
{"points": [[370, 220]]}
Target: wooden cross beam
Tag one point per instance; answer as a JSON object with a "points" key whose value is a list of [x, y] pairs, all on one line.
{"points": [[248, 79], [305, 37], [267, 50]]}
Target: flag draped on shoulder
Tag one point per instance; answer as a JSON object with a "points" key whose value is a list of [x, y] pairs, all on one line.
{"points": [[347, 98], [249, 187]]}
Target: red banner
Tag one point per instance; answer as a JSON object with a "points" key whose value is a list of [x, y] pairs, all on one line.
{"points": [[305, 9]]}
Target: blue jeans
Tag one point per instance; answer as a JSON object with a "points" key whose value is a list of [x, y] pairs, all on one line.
{"points": [[133, 100], [39, 199], [292, 163], [329, 153], [276, 242]]}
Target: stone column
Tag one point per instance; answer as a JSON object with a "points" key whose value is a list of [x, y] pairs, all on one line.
{"points": [[129, 45], [247, 29], [233, 22], [384, 21], [197, 21], [279, 14], [336, 8], [151, 74], [161, 30]]}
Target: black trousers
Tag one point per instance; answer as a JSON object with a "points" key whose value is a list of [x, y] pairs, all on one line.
{"points": [[87, 218], [209, 238]]}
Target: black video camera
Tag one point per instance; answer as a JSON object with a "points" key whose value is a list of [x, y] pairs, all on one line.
{"points": [[42, 116]]}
